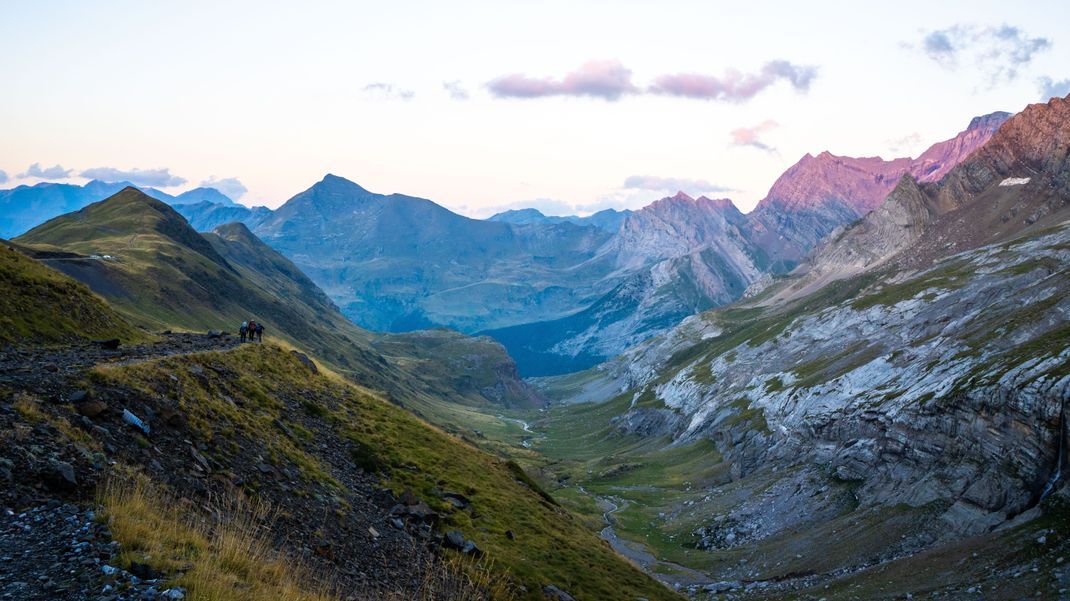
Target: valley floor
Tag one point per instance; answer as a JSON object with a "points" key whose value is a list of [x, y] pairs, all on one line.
{"points": [[649, 499]]}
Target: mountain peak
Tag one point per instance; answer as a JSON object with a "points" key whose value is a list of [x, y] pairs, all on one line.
{"points": [[991, 120], [718, 203], [332, 181], [684, 197], [129, 212]]}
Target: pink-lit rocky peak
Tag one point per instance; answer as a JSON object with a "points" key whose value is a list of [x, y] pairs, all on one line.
{"points": [[861, 183]]}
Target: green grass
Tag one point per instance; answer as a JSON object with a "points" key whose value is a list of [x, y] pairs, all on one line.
{"points": [[948, 277], [42, 306], [552, 545]]}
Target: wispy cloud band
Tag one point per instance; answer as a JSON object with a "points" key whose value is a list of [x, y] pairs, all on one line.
{"points": [[610, 80]]}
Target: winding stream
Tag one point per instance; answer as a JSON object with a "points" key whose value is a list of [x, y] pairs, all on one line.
{"points": [[526, 441], [679, 575]]}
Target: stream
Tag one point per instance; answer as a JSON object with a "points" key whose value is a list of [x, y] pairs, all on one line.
{"points": [[526, 441], [637, 553]]}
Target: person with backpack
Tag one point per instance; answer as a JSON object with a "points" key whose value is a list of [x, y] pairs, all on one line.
{"points": [[252, 331], [259, 332], [243, 330]]}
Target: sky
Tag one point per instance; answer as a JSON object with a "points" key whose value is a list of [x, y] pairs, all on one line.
{"points": [[569, 107]]}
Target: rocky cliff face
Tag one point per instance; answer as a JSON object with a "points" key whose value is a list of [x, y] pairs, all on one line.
{"points": [[931, 387], [820, 193], [1016, 182], [942, 396], [673, 258]]}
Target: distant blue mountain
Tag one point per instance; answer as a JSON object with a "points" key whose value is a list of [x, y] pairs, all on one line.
{"points": [[25, 207], [608, 219], [206, 216]]}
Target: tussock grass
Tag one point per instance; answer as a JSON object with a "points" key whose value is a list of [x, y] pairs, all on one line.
{"points": [[225, 561], [29, 408]]}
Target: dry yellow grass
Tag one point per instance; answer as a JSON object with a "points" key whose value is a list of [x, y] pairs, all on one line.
{"points": [[230, 560], [224, 561], [29, 408]]}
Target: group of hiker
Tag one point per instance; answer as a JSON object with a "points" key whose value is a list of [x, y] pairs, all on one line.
{"points": [[252, 331]]}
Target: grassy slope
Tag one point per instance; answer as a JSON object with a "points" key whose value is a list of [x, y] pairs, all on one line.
{"points": [[167, 276], [42, 306], [551, 546]]}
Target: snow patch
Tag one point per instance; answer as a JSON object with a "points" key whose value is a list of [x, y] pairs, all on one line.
{"points": [[1014, 181]]}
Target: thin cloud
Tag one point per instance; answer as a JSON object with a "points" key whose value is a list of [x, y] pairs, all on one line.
{"points": [[3, 176], [751, 136], [694, 187], [905, 144], [157, 178], [54, 172], [734, 85], [941, 46], [455, 89], [1049, 88], [999, 52], [388, 91], [231, 187], [621, 200], [608, 80]]}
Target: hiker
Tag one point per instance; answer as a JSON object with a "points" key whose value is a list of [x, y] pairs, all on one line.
{"points": [[252, 331], [243, 330], [259, 332]]}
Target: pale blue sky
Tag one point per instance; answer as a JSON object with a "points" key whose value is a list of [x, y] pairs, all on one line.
{"points": [[277, 95]]}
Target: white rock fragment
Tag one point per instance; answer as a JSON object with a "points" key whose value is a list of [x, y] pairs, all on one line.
{"points": [[1015, 181]]}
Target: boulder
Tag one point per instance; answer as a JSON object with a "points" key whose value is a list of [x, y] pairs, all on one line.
{"points": [[470, 548], [456, 499], [408, 498], [78, 396], [555, 594], [91, 409], [110, 344], [61, 475], [309, 363], [143, 571], [454, 540], [215, 333]]}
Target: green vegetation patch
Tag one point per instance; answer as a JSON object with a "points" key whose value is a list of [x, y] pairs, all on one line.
{"points": [[551, 544], [42, 306]]}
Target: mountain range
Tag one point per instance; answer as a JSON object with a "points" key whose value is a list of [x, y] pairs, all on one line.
{"points": [[607, 219], [25, 207], [899, 401], [561, 293], [182, 434]]}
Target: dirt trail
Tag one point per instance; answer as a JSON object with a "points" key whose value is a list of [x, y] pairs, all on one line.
{"points": [[52, 372], [50, 546]]}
